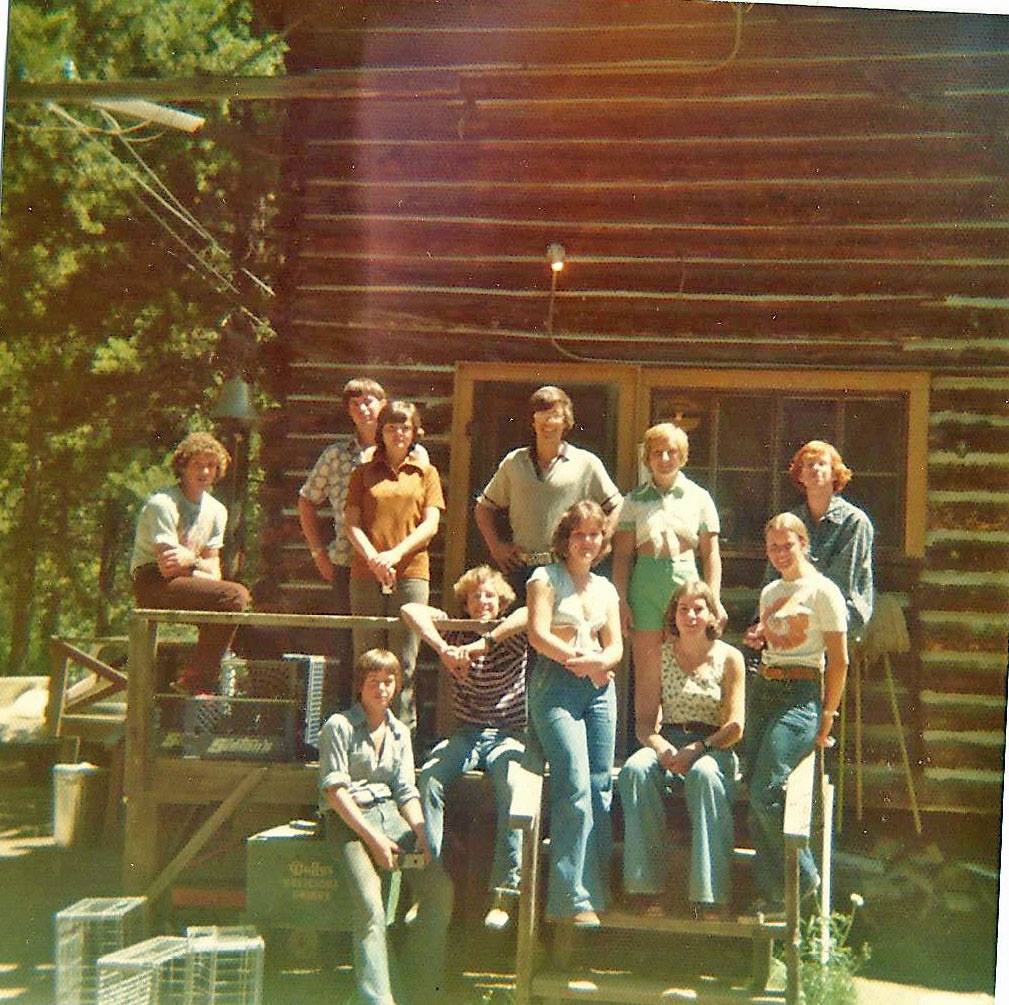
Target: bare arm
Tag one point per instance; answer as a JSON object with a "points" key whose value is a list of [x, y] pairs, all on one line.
{"points": [[311, 529], [623, 561], [836, 644], [175, 560], [504, 553], [598, 667], [208, 564], [711, 563], [421, 620]]}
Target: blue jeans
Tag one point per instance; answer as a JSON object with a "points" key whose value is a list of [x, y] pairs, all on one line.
{"points": [[425, 963], [575, 723], [781, 724], [470, 748], [709, 787]]}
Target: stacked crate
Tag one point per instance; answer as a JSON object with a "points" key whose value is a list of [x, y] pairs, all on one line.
{"points": [[87, 930], [152, 972]]}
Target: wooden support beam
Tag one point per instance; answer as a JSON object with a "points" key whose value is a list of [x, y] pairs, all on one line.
{"points": [[140, 841], [90, 662], [209, 827]]}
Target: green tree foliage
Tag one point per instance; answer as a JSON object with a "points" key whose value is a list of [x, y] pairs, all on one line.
{"points": [[110, 325]]}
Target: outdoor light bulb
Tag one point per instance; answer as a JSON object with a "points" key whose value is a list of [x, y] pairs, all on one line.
{"points": [[555, 256]]}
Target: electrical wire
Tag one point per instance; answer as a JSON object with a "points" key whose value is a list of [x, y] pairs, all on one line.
{"points": [[173, 206]]}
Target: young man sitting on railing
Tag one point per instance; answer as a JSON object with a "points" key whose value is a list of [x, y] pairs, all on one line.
{"points": [[176, 563], [489, 685]]}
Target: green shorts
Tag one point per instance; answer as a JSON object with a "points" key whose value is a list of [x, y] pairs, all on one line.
{"points": [[653, 582]]}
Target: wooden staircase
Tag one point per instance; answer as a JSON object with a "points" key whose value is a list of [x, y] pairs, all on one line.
{"points": [[572, 972]]}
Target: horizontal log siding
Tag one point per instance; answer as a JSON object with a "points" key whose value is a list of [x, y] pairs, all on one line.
{"points": [[814, 187]]}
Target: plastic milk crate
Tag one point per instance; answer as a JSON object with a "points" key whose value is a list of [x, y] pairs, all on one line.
{"points": [[87, 930], [254, 718], [292, 880], [152, 972], [311, 671], [224, 966]]}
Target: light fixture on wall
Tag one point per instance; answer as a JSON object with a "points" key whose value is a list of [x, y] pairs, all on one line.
{"points": [[555, 259]]}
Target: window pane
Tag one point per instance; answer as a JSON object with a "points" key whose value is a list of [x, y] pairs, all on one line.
{"points": [[805, 419], [692, 412], [874, 435], [746, 432], [743, 501]]}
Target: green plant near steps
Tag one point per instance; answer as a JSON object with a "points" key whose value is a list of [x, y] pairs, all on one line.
{"points": [[832, 982]]}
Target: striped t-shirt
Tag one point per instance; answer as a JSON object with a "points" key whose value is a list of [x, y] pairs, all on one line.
{"points": [[494, 691]]}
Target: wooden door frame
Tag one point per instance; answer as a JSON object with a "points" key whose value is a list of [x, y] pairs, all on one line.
{"points": [[624, 377]]}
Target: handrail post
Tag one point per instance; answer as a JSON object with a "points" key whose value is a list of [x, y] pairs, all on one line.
{"points": [[140, 851]]}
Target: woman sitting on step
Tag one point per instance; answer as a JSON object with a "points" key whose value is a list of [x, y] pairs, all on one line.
{"points": [[689, 715]]}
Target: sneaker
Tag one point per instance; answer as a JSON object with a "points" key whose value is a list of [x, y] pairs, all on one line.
{"points": [[411, 914], [586, 920], [499, 915], [497, 919]]}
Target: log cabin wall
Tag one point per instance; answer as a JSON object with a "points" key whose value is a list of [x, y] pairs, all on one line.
{"points": [[762, 187]]}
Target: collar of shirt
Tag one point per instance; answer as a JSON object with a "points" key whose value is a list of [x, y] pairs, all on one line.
{"points": [[835, 512], [562, 455], [357, 718], [676, 490], [408, 462]]}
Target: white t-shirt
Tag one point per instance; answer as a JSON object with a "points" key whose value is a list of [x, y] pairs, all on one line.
{"points": [[569, 611], [795, 614], [168, 517]]}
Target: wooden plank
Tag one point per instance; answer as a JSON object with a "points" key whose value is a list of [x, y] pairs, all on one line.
{"points": [[665, 273], [91, 663], [57, 687], [799, 801], [91, 698], [206, 831], [650, 161], [894, 242], [192, 781], [140, 839], [669, 36], [789, 113], [527, 797], [614, 986], [617, 327], [726, 199], [261, 618]]}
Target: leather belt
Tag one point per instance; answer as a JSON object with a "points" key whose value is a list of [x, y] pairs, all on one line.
{"points": [[692, 727], [788, 673]]}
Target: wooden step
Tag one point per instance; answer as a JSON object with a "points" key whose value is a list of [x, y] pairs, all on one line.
{"points": [[618, 986], [741, 927]]}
